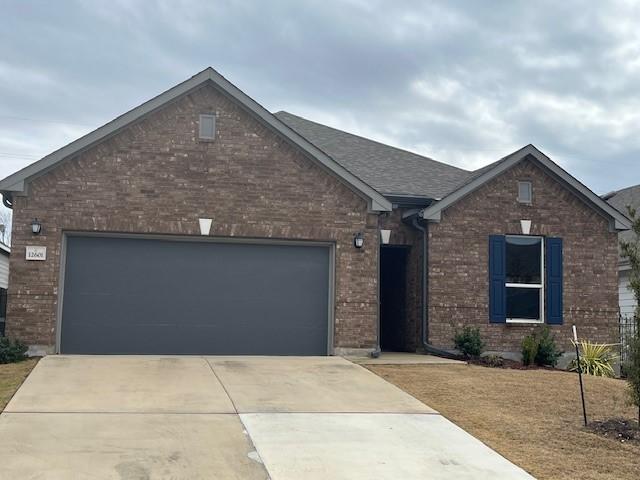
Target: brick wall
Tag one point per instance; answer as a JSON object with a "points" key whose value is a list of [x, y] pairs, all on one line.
{"points": [[458, 260], [156, 177]]}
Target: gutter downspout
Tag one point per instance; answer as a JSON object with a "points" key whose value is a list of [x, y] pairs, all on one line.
{"points": [[424, 287]]}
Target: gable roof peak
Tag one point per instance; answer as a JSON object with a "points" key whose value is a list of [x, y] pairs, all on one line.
{"points": [[618, 221], [17, 183]]}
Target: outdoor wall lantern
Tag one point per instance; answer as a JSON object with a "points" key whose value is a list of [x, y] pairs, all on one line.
{"points": [[36, 226], [358, 240]]}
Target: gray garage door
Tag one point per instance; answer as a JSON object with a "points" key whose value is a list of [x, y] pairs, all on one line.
{"points": [[150, 296]]}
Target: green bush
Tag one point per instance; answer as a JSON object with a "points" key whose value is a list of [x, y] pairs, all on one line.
{"points": [[540, 348], [595, 359], [548, 353], [468, 342], [529, 350], [12, 350], [632, 370]]}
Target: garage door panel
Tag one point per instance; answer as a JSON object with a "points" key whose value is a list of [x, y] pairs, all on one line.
{"points": [[125, 295]]}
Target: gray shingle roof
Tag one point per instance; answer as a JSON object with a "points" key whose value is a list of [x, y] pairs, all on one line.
{"points": [[390, 170], [620, 200]]}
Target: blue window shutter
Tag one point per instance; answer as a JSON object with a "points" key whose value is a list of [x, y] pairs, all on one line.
{"points": [[554, 281], [497, 279]]}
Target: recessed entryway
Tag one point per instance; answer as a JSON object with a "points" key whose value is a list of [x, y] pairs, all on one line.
{"points": [[393, 292]]}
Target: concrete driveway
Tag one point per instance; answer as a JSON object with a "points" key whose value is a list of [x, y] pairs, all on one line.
{"points": [[279, 418]]}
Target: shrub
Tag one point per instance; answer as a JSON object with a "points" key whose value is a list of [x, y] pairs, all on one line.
{"points": [[632, 370], [12, 350], [630, 250], [468, 342], [595, 359], [529, 349], [493, 360], [548, 353], [540, 348]]}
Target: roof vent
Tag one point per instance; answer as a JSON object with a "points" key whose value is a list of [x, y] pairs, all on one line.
{"points": [[207, 127]]}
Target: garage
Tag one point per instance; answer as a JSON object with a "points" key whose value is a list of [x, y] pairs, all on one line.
{"points": [[142, 295]]}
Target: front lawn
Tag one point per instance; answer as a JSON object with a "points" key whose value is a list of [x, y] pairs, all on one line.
{"points": [[11, 377], [532, 417]]}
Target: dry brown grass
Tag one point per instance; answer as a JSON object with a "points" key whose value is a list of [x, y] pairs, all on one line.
{"points": [[532, 417], [11, 377]]}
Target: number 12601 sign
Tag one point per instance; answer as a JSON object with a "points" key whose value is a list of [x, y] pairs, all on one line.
{"points": [[36, 253]]}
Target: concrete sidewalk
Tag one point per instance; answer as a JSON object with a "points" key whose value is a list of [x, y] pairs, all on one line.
{"points": [[282, 418]]}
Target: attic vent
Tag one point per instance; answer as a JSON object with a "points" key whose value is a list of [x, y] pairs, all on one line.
{"points": [[524, 192], [207, 127]]}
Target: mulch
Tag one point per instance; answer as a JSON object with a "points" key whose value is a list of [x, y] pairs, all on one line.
{"points": [[620, 429]]}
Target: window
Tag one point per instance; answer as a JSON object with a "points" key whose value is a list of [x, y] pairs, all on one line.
{"points": [[524, 192], [524, 281], [207, 127]]}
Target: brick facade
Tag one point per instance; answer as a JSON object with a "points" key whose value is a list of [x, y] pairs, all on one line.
{"points": [[156, 177], [458, 260]]}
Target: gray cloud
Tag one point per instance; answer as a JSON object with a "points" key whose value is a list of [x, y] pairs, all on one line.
{"points": [[464, 82]]}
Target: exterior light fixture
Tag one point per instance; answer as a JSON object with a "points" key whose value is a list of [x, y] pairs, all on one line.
{"points": [[36, 226], [358, 240]]}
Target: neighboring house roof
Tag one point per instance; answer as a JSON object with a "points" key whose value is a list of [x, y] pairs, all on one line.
{"points": [[5, 249], [480, 177], [392, 171], [621, 199], [18, 182]]}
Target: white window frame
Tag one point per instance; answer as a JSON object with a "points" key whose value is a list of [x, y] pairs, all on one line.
{"points": [[539, 286]]}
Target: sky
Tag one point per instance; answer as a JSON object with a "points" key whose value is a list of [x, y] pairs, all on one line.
{"points": [[463, 82]]}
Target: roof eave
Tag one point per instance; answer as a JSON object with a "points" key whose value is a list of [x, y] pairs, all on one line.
{"points": [[17, 182], [618, 221]]}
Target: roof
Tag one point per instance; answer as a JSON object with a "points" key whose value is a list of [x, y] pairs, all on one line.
{"points": [[18, 182], [5, 249], [618, 221], [620, 199], [390, 170]]}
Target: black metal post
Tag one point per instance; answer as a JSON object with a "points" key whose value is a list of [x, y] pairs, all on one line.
{"points": [[584, 408]]}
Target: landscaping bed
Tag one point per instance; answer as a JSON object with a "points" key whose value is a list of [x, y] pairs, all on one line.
{"points": [[532, 416], [619, 429], [11, 377]]}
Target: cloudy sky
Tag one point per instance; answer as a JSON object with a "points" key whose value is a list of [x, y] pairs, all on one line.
{"points": [[465, 82]]}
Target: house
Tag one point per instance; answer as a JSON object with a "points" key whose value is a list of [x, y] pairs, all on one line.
{"points": [[200, 223], [4, 284], [621, 199]]}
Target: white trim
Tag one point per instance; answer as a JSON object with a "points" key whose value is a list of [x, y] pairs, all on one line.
{"points": [[524, 320], [539, 286]]}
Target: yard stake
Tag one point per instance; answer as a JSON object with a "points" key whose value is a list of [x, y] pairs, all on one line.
{"points": [[575, 342]]}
